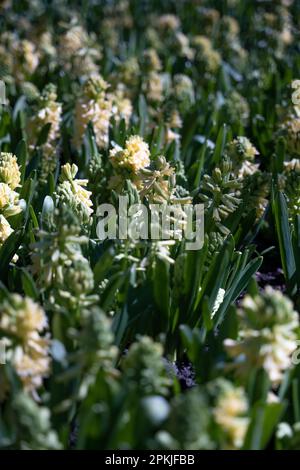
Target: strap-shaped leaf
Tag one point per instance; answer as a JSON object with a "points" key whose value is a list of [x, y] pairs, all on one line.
{"points": [[280, 211]]}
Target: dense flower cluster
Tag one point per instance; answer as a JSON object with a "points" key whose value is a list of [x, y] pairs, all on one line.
{"points": [[219, 193], [134, 157], [72, 192], [10, 177], [23, 324], [268, 335], [94, 105], [9, 170], [230, 413], [48, 113], [242, 154]]}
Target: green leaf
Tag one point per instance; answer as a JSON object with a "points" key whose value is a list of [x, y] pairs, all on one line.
{"points": [[280, 154], [296, 247], [120, 324], [8, 251], [29, 286], [33, 218], [200, 165], [161, 289], [103, 265], [280, 211], [22, 156], [43, 135], [215, 277], [89, 146], [239, 284], [264, 418], [143, 115], [220, 144], [108, 296]]}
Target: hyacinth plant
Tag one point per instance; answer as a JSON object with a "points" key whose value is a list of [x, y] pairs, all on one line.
{"points": [[140, 343]]}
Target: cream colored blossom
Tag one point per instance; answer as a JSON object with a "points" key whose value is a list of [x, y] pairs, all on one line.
{"points": [[95, 106], [290, 129], [242, 153], [183, 90], [5, 229], [206, 55], [134, 157], [151, 60], [154, 87], [268, 337], [241, 149], [26, 321], [29, 55], [218, 301], [5, 195], [72, 191], [168, 22], [292, 165], [182, 44], [9, 170], [9, 201], [49, 112], [290, 184], [73, 40], [247, 168], [121, 105], [26, 58], [78, 51], [129, 73], [230, 27], [171, 136], [257, 186], [158, 184], [9, 205], [230, 414], [33, 367], [45, 44], [175, 120]]}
